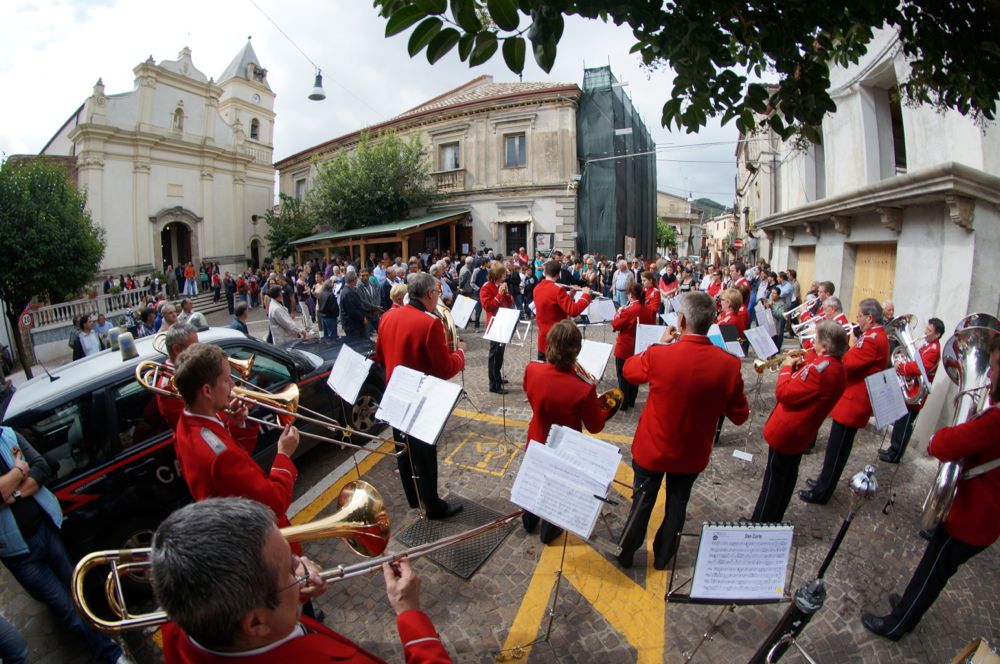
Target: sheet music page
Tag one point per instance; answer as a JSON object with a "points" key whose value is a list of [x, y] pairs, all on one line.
{"points": [[601, 311], [670, 318], [734, 348], [436, 400], [742, 562], [588, 455], [392, 410], [647, 335], [761, 341], [715, 336], [886, 396], [348, 374], [501, 327], [462, 310], [766, 319], [594, 357], [562, 503]]}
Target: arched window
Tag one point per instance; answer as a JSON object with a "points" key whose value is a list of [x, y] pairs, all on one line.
{"points": [[179, 119], [255, 129]]}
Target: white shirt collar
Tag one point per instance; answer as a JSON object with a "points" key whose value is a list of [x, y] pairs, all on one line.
{"points": [[297, 631]]}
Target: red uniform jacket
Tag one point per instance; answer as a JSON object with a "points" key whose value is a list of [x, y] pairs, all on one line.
{"points": [[732, 318], [975, 514], [560, 397], [714, 289], [624, 323], [651, 301], [930, 354], [553, 303], [421, 645], [691, 384], [415, 338], [805, 398], [491, 299], [870, 355], [216, 463]]}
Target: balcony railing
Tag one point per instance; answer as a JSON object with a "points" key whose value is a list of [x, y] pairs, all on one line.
{"points": [[111, 305], [453, 180]]}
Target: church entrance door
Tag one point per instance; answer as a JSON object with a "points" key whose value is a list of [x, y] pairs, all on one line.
{"points": [[175, 244]]}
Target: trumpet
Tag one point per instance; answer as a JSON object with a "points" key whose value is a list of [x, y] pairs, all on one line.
{"points": [[284, 404], [808, 304], [848, 328], [611, 400], [772, 365]]}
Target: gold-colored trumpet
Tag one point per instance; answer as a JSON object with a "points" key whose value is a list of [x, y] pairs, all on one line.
{"points": [[361, 520], [284, 404], [611, 400], [772, 365]]}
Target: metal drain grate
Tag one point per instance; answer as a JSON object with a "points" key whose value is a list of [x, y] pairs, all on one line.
{"points": [[465, 558]]}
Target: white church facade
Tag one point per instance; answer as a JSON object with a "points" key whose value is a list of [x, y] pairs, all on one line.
{"points": [[179, 168]]}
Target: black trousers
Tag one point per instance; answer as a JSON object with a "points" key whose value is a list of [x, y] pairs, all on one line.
{"points": [[902, 429], [631, 391], [776, 489], [646, 486], [495, 365], [548, 532], [838, 450], [420, 461], [942, 558]]}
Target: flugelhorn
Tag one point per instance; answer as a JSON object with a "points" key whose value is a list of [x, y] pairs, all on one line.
{"points": [[772, 364], [361, 520], [284, 404], [611, 400], [808, 304]]}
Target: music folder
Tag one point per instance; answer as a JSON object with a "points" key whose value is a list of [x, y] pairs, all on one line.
{"points": [[462, 310], [350, 370], [417, 404]]}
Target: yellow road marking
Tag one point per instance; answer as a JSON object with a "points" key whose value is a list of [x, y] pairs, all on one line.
{"points": [[634, 611], [494, 455], [309, 512], [521, 424]]}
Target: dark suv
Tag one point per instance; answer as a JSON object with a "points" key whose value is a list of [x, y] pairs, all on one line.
{"points": [[112, 455]]}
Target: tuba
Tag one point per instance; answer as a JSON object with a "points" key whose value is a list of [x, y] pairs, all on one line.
{"points": [[967, 361], [450, 329], [915, 390]]}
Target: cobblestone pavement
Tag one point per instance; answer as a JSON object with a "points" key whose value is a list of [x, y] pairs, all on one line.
{"points": [[603, 613]]}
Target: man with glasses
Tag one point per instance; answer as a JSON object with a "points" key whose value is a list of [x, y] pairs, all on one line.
{"points": [[869, 356], [233, 590]]}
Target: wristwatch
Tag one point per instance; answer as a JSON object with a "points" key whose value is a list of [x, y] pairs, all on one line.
{"points": [[16, 496]]}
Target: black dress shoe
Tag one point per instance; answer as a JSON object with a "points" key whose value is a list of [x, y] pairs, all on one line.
{"points": [[449, 509], [879, 625], [499, 391], [660, 564], [887, 457], [812, 484], [625, 560], [811, 497], [894, 600], [504, 381]]}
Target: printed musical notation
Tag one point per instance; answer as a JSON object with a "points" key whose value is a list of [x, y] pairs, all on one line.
{"points": [[742, 561]]}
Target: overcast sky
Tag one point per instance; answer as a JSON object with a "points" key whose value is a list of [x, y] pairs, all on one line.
{"points": [[54, 50]]}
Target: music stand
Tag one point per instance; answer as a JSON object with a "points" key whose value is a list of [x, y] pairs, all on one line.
{"points": [[501, 329]]}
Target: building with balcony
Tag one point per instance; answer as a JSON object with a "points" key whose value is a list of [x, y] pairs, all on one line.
{"points": [[897, 201], [503, 158], [678, 212], [179, 168]]}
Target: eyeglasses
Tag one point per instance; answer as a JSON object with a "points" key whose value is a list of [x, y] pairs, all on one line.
{"points": [[299, 580]]}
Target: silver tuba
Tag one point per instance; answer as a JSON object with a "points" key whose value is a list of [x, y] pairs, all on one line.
{"points": [[967, 361], [914, 389]]}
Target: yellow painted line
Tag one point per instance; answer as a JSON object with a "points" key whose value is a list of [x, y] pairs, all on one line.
{"points": [[309, 512], [521, 424], [636, 612]]}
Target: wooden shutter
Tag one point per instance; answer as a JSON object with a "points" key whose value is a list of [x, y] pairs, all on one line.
{"points": [[805, 267], [874, 274]]}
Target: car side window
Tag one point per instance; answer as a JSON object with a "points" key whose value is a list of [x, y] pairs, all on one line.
{"points": [[268, 371], [69, 439], [139, 417]]}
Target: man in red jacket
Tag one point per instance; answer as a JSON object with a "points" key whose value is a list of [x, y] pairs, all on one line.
{"points": [[804, 399], [973, 523], [869, 356], [930, 354], [233, 591], [691, 384], [412, 336], [494, 295], [553, 303]]}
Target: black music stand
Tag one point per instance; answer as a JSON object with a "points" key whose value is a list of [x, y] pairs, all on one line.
{"points": [[508, 342]]}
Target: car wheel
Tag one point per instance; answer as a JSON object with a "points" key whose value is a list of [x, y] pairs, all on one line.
{"points": [[135, 533], [363, 413]]}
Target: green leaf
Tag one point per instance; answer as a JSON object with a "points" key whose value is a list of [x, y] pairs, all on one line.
{"points": [[464, 13], [432, 6], [504, 13], [403, 19], [486, 46], [441, 44], [465, 44], [545, 53], [423, 34], [513, 54]]}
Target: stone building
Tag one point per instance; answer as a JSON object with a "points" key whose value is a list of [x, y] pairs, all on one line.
{"points": [[677, 211], [896, 202], [503, 157], [178, 168]]}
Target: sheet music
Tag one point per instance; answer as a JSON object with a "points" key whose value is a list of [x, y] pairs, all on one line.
{"points": [[564, 505], [742, 561], [462, 310], [734, 348], [715, 336], [761, 341], [670, 318], [349, 373], [588, 455], [594, 357], [501, 327], [886, 396], [418, 404], [647, 335], [600, 311], [392, 410], [766, 319]]}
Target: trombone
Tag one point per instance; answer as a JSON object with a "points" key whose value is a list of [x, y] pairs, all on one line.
{"points": [[284, 404]]}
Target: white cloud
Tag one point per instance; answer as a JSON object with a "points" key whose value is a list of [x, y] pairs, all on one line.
{"points": [[55, 50]]}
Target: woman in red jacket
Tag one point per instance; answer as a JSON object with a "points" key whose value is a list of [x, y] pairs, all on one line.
{"points": [[731, 301], [559, 395], [493, 295], [805, 397], [624, 323], [650, 294]]}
